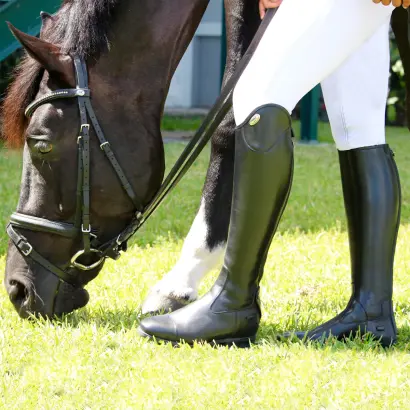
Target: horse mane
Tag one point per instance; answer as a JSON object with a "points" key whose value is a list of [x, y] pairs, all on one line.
{"points": [[79, 27]]}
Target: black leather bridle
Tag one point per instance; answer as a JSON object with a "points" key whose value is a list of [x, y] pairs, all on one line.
{"points": [[82, 224]]}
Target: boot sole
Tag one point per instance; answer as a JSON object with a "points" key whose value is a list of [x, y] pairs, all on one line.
{"points": [[384, 341], [381, 330], [243, 342]]}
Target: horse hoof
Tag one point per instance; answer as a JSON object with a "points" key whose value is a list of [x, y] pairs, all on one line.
{"points": [[157, 303]]}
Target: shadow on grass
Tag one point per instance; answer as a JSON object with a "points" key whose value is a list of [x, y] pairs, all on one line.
{"points": [[113, 320], [269, 333], [272, 334]]}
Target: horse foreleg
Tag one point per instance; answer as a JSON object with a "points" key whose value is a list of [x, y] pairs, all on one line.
{"points": [[180, 285], [205, 244]]}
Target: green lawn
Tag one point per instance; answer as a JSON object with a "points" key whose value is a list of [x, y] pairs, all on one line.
{"points": [[93, 359], [181, 123]]}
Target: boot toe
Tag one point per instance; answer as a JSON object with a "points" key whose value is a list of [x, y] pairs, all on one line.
{"points": [[160, 327]]}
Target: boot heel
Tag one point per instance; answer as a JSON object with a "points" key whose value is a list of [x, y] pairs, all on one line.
{"points": [[242, 343], [383, 330]]}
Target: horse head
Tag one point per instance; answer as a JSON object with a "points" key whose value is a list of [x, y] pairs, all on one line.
{"points": [[87, 105]]}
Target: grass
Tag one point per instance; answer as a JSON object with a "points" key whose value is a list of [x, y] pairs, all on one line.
{"points": [[181, 123], [93, 359]]}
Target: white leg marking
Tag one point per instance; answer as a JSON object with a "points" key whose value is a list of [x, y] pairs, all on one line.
{"points": [[195, 262]]}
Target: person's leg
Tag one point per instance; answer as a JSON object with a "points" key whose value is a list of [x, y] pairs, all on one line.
{"points": [[229, 312], [355, 97], [356, 93], [279, 74], [305, 43], [371, 190]]}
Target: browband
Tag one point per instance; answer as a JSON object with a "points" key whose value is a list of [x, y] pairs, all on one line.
{"points": [[54, 95]]}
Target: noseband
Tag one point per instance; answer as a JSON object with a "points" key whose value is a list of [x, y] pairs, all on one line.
{"points": [[82, 223]]}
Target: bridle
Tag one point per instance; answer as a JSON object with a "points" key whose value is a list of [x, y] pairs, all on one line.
{"points": [[82, 223]]}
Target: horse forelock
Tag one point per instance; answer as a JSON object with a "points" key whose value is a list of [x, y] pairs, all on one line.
{"points": [[79, 27]]}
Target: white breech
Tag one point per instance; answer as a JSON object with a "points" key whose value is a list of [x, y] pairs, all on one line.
{"points": [[344, 46]]}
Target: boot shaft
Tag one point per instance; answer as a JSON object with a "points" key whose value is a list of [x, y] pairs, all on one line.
{"points": [[262, 180], [371, 190]]}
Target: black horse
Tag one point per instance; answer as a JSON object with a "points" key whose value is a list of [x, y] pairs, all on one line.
{"points": [[126, 52], [131, 50]]}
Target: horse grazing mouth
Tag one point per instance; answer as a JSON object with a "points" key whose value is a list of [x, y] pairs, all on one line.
{"points": [[62, 298], [21, 295]]}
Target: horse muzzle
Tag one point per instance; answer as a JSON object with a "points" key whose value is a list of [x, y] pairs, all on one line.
{"points": [[36, 292]]}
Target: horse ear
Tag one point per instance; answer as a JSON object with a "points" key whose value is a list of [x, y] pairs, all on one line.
{"points": [[44, 15], [46, 19], [47, 54]]}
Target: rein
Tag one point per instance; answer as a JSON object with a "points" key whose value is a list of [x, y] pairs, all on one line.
{"points": [[82, 223]]}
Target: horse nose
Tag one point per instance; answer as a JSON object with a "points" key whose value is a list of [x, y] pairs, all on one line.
{"points": [[18, 293]]}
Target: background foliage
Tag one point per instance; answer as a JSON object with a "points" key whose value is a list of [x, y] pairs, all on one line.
{"points": [[395, 112]]}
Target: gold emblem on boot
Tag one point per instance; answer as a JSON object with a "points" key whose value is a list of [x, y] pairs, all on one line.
{"points": [[254, 120]]}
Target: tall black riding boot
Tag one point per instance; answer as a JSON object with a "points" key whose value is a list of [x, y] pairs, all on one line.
{"points": [[229, 313], [371, 190]]}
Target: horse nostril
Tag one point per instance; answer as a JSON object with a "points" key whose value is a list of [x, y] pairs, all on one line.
{"points": [[18, 293]]}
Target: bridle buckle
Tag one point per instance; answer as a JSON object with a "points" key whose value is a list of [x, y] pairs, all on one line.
{"points": [[26, 252], [104, 144], [88, 230], [84, 126]]}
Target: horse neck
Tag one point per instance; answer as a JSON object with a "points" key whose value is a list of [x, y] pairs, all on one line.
{"points": [[148, 41]]}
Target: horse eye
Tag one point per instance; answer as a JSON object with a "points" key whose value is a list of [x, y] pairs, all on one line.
{"points": [[44, 147]]}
